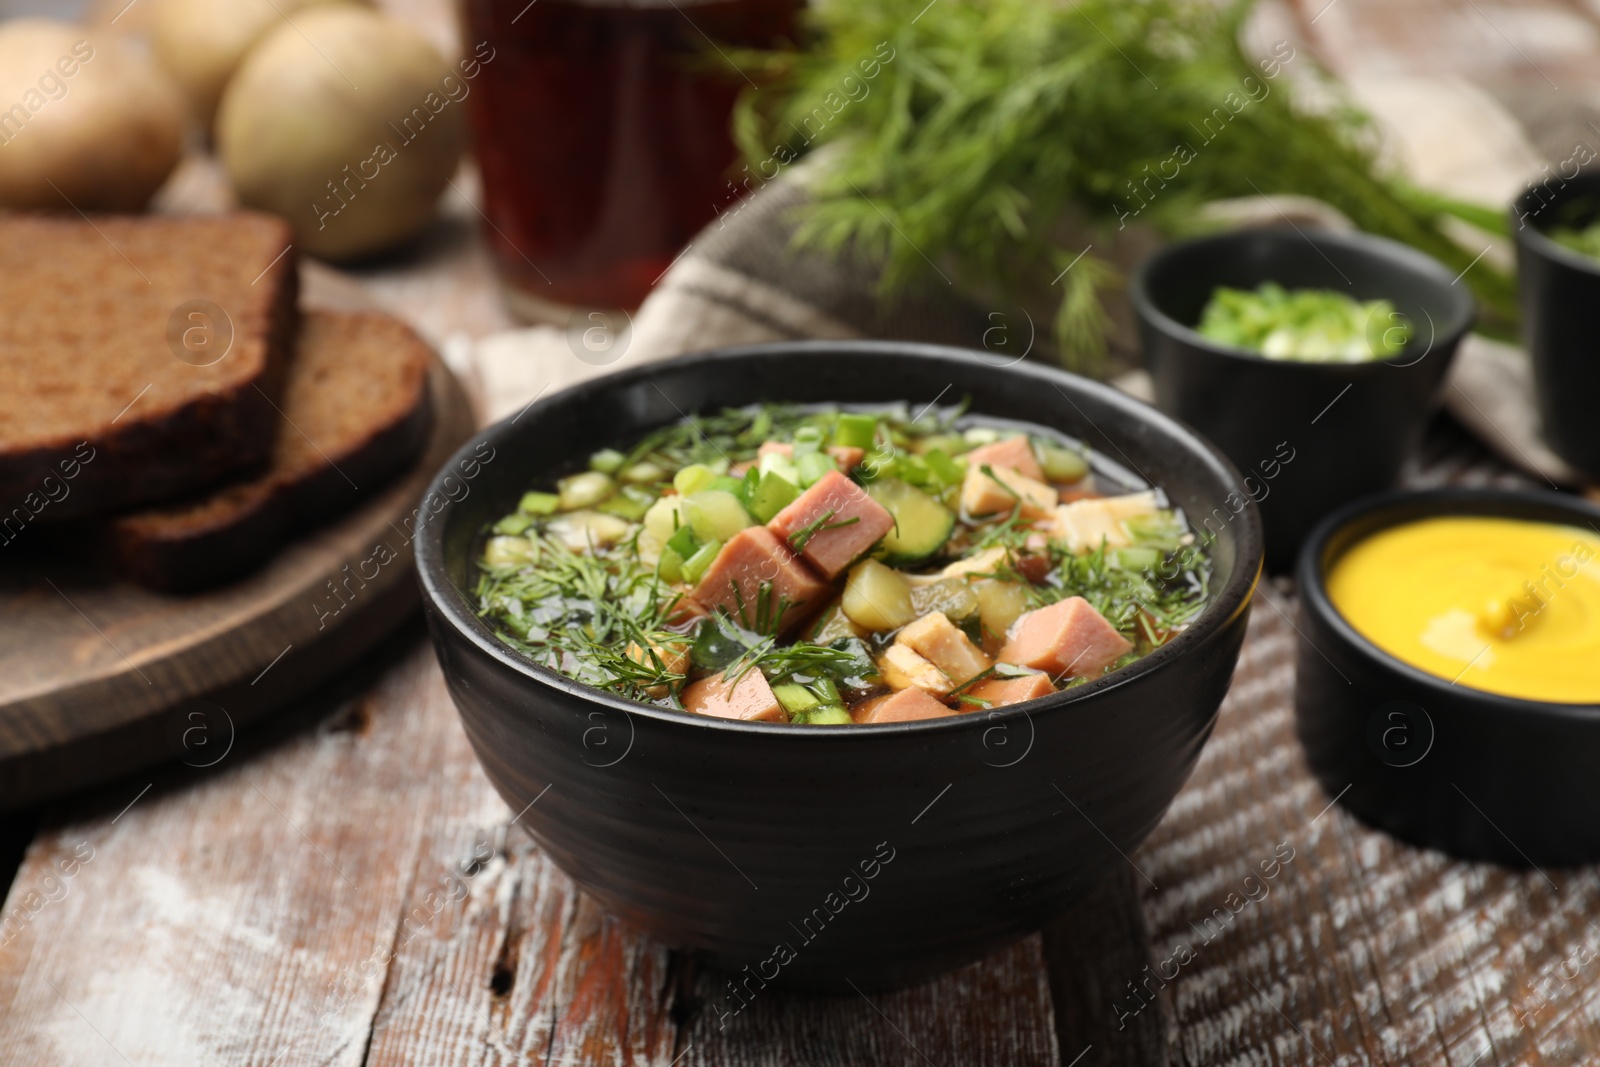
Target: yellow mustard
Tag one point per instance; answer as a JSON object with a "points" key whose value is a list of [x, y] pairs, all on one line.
{"points": [[1503, 605]]}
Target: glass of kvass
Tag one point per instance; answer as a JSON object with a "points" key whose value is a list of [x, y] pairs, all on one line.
{"points": [[601, 128]]}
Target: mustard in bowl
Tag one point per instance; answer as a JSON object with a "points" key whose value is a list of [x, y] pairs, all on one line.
{"points": [[1448, 671]]}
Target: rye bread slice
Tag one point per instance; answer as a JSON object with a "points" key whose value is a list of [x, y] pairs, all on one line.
{"points": [[94, 398], [355, 411]]}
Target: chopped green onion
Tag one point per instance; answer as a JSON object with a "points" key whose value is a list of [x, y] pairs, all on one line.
{"points": [[683, 541], [693, 478], [781, 465], [811, 466], [1159, 529], [1135, 559], [1307, 325], [795, 697], [644, 473], [513, 524], [952, 444], [1585, 240], [1062, 464], [944, 468], [539, 503], [826, 691], [855, 431], [807, 439], [772, 494], [696, 565], [630, 504], [607, 461], [670, 566]]}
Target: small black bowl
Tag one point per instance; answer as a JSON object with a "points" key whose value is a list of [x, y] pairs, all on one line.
{"points": [[873, 854], [1475, 774], [1307, 436], [1560, 289]]}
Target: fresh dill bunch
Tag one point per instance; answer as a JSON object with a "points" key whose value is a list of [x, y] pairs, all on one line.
{"points": [[976, 134]]}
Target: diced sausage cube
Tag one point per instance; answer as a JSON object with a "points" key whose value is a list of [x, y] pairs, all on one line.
{"points": [[908, 705], [848, 457], [903, 667], [998, 692], [755, 559], [1012, 454], [1067, 638], [861, 711], [983, 495], [936, 639], [749, 698], [832, 500]]}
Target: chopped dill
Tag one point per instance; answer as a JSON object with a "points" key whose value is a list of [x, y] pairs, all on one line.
{"points": [[1146, 605], [802, 537], [577, 612]]}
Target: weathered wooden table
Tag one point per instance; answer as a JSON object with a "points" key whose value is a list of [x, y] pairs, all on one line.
{"points": [[345, 887]]}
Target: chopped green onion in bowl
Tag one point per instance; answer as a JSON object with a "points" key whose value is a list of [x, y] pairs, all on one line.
{"points": [[1304, 325], [1584, 240]]}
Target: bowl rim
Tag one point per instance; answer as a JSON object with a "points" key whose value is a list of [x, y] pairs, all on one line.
{"points": [[1311, 578], [1533, 238], [450, 604], [1360, 243]]}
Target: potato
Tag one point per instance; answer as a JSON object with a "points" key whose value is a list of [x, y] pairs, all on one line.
{"points": [[347, 124], [86, 123], [202, 42]]}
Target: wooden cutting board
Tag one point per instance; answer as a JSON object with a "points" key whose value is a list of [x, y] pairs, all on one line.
{"points": [[99, 677]]}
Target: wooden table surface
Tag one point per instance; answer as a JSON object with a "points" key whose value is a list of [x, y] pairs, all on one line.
{"points": [[346, 888]]}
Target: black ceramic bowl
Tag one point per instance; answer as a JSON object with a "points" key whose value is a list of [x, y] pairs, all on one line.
{"points": [[1474, 774], [1560, 290], [874, 854], [1308, 437]]}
